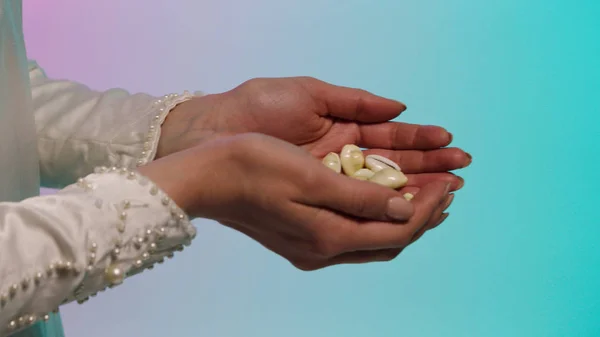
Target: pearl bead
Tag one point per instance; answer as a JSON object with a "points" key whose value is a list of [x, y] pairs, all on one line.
{"points": [[12, 325], [114, 275], [50, 269]]}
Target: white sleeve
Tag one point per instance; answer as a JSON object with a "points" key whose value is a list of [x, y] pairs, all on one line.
{"points": [[79, 128], [89, 236]]}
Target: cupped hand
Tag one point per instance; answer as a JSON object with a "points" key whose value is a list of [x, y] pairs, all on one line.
{"points": [[321, 118], [283, 197]]}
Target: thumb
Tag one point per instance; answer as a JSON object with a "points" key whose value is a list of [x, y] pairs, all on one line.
{"points": [[353, 104], [363, 199]]}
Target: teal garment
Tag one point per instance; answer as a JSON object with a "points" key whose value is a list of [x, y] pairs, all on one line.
{"points": [[52, 328], [19, 173]]}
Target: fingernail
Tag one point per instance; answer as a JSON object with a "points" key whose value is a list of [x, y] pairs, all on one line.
{"points": [[469, 156], [442, 219], [461, 183], [451, 137], [447, 189], [448, 201], [400, 209], [403, 105]]}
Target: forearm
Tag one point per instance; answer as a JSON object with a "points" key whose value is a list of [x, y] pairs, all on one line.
{"points": [[65, 247], [80, 128]]}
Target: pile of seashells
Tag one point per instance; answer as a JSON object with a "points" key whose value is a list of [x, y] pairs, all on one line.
{"points": [[374, 168]]}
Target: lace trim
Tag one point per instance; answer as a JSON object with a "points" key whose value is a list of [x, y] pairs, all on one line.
{"points": [[162, 107]]}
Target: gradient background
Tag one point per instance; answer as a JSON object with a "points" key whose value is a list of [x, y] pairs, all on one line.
{"points": [[516, 81]]}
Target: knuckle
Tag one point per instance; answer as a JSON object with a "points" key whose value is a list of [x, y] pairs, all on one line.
{"points": [[247, 143], [307, 79], [392, 254], [403, 240], [312, 180], [305, 265], [252, 83], [360, 203], [326, 246]]}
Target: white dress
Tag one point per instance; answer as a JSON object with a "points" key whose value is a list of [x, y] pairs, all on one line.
{"points": [[96, 231]]}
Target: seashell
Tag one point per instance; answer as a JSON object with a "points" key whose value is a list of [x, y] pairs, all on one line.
{"points": [[389, 177], [332, 160], [408, 196], [377, 163], [363, 174], [352, 159]]}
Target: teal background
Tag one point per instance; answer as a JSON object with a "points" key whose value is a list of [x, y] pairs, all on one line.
{"points": [[516, 81]]}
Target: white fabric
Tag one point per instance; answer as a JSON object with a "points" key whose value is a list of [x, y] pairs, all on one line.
{"points": [[55, 249]]}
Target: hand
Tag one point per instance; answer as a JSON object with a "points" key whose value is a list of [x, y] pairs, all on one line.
{"points": [[284, 198], [321, 118]]}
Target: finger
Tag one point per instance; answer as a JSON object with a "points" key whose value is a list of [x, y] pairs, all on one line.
{"points": [[435, 218], [442, 218], [413, 161], [403, 136], [384, 235], [440, 221], [352, 104], [422, 179], [365, 256], [361, 199]]}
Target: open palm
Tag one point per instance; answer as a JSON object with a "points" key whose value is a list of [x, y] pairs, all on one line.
{"points": [[322, 118]]}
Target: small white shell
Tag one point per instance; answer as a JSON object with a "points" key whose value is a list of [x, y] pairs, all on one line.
{"points": [[363, 174], [408, 196], [389, 177], [352, 159], [376, 163], [332, 160]]}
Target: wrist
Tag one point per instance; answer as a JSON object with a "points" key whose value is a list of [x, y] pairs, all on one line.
{"points": [[192, 178], [188, 124]]}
